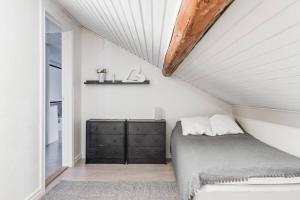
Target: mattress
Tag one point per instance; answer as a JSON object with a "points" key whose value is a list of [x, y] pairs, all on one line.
{"points": [[265, 181], [194, 156]]}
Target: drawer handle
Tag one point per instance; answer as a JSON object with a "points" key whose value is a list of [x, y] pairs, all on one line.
{"points": [[114, 128], [100, 145]]}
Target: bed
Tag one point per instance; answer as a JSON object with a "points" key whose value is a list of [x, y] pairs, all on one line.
{"points": [[232, 167]]}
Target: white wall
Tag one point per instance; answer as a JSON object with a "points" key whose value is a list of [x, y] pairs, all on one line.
{"points": [[277, 128], [20, 79], [20, 74], [175, 97], [59, 14]]}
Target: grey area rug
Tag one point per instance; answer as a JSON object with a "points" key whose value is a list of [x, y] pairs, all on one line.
{"points": [[78, 190]]}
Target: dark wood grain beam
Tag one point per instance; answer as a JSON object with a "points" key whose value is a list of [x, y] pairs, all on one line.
{"points": [[193, 21]]}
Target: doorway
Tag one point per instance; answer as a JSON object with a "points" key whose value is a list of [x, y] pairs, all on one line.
{"points": [[57, 123], [54, 102]]}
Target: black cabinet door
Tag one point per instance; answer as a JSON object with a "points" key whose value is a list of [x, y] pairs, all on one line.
{"points": [[146, 141], [105, 141]]}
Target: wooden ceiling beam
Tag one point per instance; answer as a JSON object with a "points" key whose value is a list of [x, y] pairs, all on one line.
{"points": [[193, 21]]}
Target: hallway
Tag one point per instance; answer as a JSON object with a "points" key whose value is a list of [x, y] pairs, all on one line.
{"points": [[54, 158]]}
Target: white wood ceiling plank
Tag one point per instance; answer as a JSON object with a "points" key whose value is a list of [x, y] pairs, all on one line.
{"points": [[250, 63], [109, 20], [138, 25], [146, 18], [132, 23], [143, 28], [112, 16], [280, 24], [129, 25], [170, 15], [282, 41], [160, 28], [83, 15], [251, 23], [241, 9], [107, 32], [121, 21], [278, 58]]}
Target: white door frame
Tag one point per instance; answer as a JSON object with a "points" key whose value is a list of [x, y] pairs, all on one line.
{"points": [[67, 105], [67, 95]]}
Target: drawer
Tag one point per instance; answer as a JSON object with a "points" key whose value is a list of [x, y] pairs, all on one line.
{"points": [[94, 140], [146, 140], [146, 152], [106, 152], [161, 160], [106, 127], [146, 128], [105, 160]]}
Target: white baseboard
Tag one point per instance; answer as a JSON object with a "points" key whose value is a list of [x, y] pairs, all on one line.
{"points": [[77, 158], [36, 195]]}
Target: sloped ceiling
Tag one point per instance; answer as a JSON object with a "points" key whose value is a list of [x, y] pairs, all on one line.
{"points": [[143, 27], [251, 56]]}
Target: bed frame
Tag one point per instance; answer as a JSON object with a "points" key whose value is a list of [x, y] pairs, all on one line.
{"points": [[249, 192]]}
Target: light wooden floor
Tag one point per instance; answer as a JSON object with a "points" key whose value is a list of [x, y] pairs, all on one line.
{"points": [[107, 172]]}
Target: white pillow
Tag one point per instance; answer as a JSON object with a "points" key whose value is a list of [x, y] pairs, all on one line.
{"points": [[224, 124], [196, 126]]}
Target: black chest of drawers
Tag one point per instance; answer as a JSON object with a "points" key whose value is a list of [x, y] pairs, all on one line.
{"points": [[105, 141], [146, 140], [118, 141]]}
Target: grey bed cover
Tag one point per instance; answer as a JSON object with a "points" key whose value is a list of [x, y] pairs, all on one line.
{"points": [[200, 160]]}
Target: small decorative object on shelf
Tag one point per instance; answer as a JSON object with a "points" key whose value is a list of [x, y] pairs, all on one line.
{"points": [[135, 75], [117, 82], [101, 74]]}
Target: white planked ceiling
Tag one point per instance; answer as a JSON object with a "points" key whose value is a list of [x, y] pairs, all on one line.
{"points": [[142, 27], [251, 56]]}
